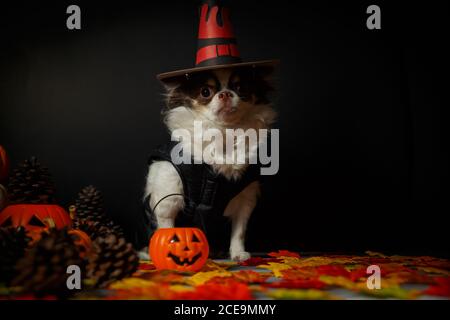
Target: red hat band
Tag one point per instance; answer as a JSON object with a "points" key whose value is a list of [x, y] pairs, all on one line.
{"points": [[216, 41]]}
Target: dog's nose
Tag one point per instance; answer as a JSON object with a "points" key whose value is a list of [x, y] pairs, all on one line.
{"points": [[224, 95]]}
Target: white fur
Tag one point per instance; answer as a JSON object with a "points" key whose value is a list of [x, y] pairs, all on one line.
{"points": [[163, 179]]}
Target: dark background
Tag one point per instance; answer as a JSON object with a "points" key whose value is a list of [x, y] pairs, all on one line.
{"points": [[364, 162]]}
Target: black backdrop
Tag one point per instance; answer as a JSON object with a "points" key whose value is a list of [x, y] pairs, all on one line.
{"points": [[364, 162]]}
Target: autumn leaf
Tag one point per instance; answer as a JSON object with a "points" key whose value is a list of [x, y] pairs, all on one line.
{"points": [[250, 276], [333, 270], [201, 277], [315, 261], [299, 273], [212, 265], [292, 261], [276, 268], [256, 261], [310, 294], [297, 284], [145, 266], [435, 271], [233, 290], [164, 276], [390, 292], [134, 288], [129, 283], [283, 253], [358, 273], [440, 288], [339, 281], [180, 288]]}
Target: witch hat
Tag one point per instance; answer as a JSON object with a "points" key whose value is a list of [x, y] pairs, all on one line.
{"points": [[217, 46]]}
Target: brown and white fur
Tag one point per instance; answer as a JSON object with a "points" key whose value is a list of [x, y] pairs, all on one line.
{"points": [[221, 99]]}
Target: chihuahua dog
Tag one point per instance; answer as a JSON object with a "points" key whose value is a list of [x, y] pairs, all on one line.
{"points": [[221, 99]]}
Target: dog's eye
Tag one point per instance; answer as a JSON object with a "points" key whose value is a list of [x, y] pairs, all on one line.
{"points": [[205, 92]]}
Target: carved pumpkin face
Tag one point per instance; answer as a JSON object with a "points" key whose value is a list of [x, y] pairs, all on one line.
{"points": [[4, 164], [184, 249], [35, 218]]}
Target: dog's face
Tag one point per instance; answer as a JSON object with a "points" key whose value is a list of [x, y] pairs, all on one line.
{"points": [[224, 96]]}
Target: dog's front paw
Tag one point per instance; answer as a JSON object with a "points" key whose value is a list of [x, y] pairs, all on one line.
{"points": [[143, 254], [240, 256]]}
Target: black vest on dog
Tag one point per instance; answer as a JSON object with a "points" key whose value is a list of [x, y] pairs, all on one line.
{"points": [[206, 195]]}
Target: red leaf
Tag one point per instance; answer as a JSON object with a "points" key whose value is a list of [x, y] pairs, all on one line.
{"points": [[232, 290], [146, 266], [284, 253], [441, 288], [358, 274], [333, 270]]}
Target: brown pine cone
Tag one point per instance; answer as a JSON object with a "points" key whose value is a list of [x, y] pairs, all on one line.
{"points": [[43, 269], [112, 259], [90, 208], [31, 183], [94, 229], [89, 204], [13, 243]]}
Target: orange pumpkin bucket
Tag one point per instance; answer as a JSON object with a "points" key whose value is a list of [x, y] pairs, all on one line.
{"points": [[183, 249], [35, 218]]}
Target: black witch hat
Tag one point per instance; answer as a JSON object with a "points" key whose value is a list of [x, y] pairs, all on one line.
{"points": [[217, 46]]}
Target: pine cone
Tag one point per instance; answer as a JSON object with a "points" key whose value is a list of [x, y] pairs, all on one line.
{"points": [[112, 259], [114, 228], [31, 183], [94, 229], [89, 204], [90, 209], [13, 243], [43, 269]]}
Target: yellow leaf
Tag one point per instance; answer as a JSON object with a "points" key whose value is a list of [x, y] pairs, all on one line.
{"points": [[315, 261], [297, 294], [201, 277], [390, 292], [131, 283], [291, 260], [276, 268], [339, 282], [180, 288]]}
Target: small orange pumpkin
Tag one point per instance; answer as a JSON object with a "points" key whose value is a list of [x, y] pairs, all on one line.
{"points": [[184, 249], [83, 241], [4, 164], [35, 218]]}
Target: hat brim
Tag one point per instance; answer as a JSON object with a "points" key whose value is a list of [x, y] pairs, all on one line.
{"points": [[172, 74]]}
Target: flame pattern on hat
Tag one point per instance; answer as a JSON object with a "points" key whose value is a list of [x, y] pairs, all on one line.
{"points": [[216, 41]]}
